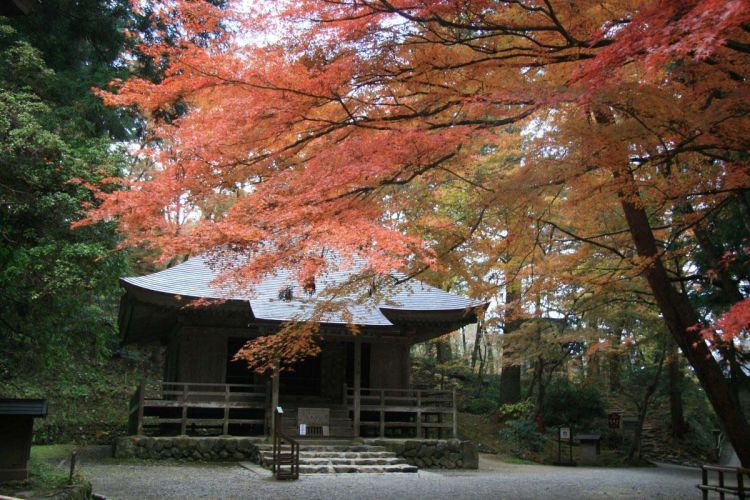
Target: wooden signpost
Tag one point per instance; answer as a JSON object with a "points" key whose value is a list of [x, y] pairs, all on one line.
{"points": [[565, 435]]}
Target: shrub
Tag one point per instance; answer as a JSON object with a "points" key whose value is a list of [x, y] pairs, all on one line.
{"points": [[516, 411], [480, 406], [566, 403], [523, 436]]}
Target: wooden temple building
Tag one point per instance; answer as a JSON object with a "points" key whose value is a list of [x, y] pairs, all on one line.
{"points": [[358, 385]]}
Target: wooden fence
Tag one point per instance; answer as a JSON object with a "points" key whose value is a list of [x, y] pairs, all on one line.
{"points": [[189, 406], [419, 409]]}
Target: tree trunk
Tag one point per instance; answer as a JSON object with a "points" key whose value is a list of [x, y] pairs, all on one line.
{"points": [[510, 376], [541, 393], [476, 353], [677, 416], [614, 361], [510, 384], [636, 448], [444, 351], [682, 320]]}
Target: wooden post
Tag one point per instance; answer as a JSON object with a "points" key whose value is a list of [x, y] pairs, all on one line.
{"points": [[141, 397], [704, 477], [382, 413], [455, 416], [183, 425], [357, 382], [740, 484], [419, 414], [73, 457], [274, 396], [225, 427]]}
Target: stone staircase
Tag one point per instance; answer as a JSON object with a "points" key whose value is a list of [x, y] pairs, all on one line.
{"points": [[329, 456]]}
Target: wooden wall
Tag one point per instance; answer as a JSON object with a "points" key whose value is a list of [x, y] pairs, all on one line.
{"points": [[389, 366], [199, 354]]}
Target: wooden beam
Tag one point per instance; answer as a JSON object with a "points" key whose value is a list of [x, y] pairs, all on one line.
{"points": [[455, 416], [419, 414], [225, 425], [382, 414], [357, 382], [183, 425], [141, 397], [274, 396]]}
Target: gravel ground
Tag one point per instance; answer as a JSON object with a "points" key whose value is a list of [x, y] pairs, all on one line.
{"points": [[494, 479]]}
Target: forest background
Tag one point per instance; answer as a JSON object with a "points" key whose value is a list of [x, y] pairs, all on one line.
{"points": [[574, 316]]}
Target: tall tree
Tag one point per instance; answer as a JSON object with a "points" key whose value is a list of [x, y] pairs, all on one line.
{"points": [[58, 286]]}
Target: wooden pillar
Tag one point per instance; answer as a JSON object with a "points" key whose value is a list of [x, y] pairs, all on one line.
{"points": [[419, 414], [225, 424], [183, 422], [357, 382], [141, 397], [455, 416], [382, 413], [274, 396]]}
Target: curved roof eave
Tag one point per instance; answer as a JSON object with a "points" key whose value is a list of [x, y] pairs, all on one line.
{"points": [[195, 280]]}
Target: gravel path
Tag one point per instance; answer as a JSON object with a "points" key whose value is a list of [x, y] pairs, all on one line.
{"points": [[494, 480]]}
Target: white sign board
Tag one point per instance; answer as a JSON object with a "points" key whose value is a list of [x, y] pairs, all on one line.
{"points": [[302, 429], [565, 433]]}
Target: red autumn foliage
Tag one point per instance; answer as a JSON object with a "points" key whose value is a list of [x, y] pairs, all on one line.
{"points": [[407, 132]]}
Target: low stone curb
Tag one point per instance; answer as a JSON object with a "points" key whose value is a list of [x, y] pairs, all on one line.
{"points": [[432, 453], [187, 448]]}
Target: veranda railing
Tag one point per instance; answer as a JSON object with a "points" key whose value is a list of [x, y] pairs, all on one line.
{"points": [[170, 403], [418, 409]]}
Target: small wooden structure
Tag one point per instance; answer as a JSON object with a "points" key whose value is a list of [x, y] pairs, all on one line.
{"points": [[16, 430], [590, 446], [204, 390]]}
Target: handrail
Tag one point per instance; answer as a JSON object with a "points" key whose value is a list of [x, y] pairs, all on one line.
{"points": [[279, 458], [187, 390]]}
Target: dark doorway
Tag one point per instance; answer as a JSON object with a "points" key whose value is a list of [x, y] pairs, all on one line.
{"points": [[365, 367], [304, 380], [237, 371]]}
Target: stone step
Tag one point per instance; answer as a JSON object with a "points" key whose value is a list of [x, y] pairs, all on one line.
{"points": [[355, 469], [333, 448], [341, 458], [356, 461], [349, 455]]}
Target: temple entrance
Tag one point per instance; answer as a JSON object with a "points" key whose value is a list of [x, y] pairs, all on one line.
{"points": [[304, 380], [237, 372]]}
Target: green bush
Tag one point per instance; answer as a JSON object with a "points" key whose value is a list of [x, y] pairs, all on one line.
{"points": [[523, 410], [523, 436], [566, 403], [480, 406]]}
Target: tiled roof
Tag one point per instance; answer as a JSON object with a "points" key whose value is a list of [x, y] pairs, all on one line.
{"points": [[194, 278], [27, 407]]}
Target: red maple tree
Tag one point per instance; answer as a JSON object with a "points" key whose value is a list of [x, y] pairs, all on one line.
{"points": [[387, 129]]}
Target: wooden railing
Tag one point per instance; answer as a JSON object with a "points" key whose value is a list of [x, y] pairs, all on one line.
{"points": [[721, 486], [281, 457], [170, 403], [418, 409]]}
